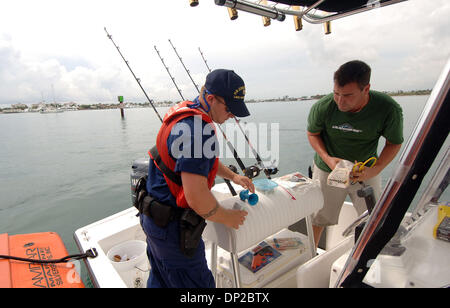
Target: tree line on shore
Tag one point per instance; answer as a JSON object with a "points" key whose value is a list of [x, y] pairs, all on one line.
{"points": [[75, 106]]}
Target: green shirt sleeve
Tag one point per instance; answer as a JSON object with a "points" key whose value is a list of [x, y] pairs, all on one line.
{"points": [[393, 130], [316, 117]]}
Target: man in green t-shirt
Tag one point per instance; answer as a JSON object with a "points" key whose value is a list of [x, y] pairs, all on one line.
{"points": [[347, 124]]}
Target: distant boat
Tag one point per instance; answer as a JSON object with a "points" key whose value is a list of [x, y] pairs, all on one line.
{"points": [[51, 110]]}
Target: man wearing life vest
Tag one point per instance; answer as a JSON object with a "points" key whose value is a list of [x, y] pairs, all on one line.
{"points": [[182, 169]]}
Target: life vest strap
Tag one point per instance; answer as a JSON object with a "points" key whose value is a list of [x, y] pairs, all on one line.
{"points": [[174, 177]]}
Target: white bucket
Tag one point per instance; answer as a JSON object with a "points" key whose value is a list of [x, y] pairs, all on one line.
{"points": [[133, 253]]}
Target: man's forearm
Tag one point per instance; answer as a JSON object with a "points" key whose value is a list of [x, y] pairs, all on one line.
{"points": [[388, 153], [209, 208], [225, 172], [317, 144], [386, 156], [200, 198]]}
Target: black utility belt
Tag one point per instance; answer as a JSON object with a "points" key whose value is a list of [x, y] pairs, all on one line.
{"points": [[160, 213], [191, 224]]}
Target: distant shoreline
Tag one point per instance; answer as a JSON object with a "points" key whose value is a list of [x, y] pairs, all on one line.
{"points": [[45, 107], [319, 96]]}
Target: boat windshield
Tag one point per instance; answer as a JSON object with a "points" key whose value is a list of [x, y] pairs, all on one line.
{"points": [[417, 255]]}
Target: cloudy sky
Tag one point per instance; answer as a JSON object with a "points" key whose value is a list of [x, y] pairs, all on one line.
{"points": [[58, 50]]}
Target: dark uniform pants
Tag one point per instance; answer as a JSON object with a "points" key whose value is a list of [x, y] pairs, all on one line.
{"points": [[169, 267]]}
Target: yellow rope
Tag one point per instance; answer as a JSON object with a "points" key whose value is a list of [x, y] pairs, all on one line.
{"points": [[360, 166]]}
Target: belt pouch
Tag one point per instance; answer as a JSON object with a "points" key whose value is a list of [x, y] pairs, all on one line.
{"points": [[144, 205], [191, 229], [160, 213]]}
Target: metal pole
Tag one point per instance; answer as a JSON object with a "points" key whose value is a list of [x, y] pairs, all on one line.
{"points": [[234, 261], [309, 230], [214, 261], [120, 98]]}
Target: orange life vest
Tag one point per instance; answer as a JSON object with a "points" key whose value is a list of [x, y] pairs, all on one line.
{"points": [[173, 116]]}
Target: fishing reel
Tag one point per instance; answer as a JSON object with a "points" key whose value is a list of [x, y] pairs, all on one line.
{"points": [[250, 172], [271, 170], [253, 171]]}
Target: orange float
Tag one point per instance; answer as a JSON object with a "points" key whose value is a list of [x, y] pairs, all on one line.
{"points": [[36, 246]]}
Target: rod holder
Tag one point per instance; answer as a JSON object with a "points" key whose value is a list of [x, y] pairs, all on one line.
{"points": [[233, 13], [193, 3], [327, 27], [297, 19], [265, 19], [250, 7]]}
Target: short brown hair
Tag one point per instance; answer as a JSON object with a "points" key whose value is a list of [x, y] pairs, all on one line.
{"points": [[353, 71]]}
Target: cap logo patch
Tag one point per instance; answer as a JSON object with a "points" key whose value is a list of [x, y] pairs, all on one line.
{"points": [[239, 93]]}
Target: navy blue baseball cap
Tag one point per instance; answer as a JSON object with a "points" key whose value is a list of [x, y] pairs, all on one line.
{"points": [[228, 84]]}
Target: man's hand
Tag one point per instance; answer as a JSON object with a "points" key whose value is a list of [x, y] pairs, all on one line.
{"points": [[332, 161], [244, 182], [388, 153], [235, 218], [365, 174], [317, 144], [241, 180]]}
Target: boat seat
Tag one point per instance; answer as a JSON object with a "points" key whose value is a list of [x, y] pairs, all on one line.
{"points": [[316, 272]]}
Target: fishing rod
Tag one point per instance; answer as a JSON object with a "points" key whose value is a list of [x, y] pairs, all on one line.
{"points": [[249, 172], [232, 190], [267, 171], [137, 79], [185, 68], [204, 60], [227, 182], [167, 69]]}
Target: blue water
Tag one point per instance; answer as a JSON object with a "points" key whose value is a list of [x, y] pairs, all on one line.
{"points": [[62, 171]]}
